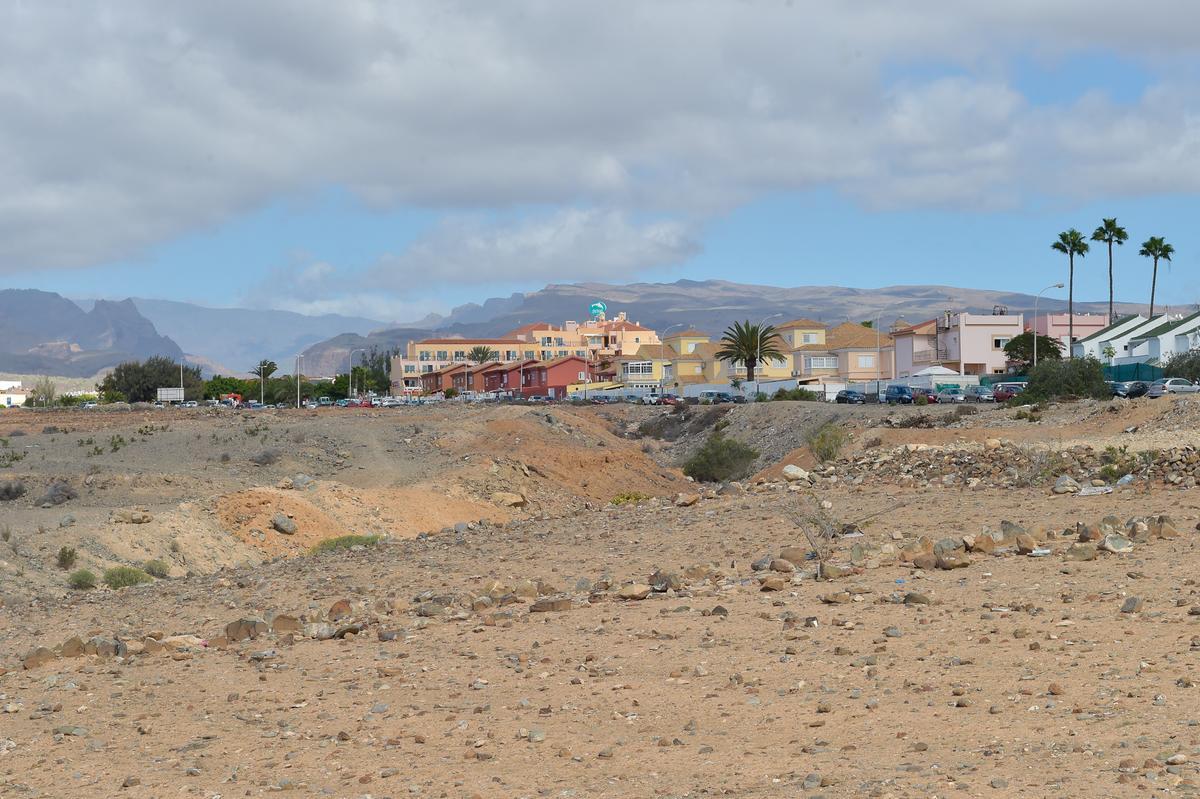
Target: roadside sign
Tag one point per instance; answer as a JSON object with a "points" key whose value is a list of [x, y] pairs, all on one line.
{"points": [[170, 394]]}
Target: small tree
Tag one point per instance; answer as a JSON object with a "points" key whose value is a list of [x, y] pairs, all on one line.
{"points": [[1109, 352], [1020, 348], [749, 344], [1080, 377], [720, 459], [43, 393], [481, 353]]}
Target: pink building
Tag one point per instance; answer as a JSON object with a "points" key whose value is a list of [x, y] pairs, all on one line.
{"points": [[1056, 325], [970, 344]]}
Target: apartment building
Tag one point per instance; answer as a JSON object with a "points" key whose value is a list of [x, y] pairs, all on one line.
{"points": [[685, 358], [1167, 336], [1058, 325], [1114, 338], [970, 344], [847, 353]]}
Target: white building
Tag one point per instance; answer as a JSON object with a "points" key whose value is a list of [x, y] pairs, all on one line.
{"points": [[11, 395], [1160, 341], [1116, 335]]}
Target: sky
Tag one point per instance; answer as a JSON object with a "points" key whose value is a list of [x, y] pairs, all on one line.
{"points": [[389, 159]]}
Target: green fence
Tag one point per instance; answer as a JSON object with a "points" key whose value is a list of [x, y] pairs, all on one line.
{"points": [[1133, 371]]}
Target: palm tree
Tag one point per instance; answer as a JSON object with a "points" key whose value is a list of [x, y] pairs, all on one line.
{"points": [[1156, 247], [264, 370], [480, 353], [1071, 242], [1110, 233], [749, 344]]}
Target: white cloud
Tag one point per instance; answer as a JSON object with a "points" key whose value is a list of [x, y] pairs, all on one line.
{"points": [[125, 124], [571, 244]]}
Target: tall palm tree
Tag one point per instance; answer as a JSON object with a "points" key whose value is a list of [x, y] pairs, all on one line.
{"points": [[1156, 247], [481, 353], [262, 371], [1070, 242], [750, 344], [1110, 233]]}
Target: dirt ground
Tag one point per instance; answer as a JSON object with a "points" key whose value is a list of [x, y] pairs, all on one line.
{"points": [[678, 646]]}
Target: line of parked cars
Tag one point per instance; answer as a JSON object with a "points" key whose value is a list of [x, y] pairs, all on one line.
{"points": [[1130, 389]]}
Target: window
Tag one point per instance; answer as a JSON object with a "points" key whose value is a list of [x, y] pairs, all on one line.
{"points": [[558, 342], [545, 341], [459, 355], [582, 376], [510, 355], [866, 361], [424, 355], [409, 368], [427, 369], [441, 355], [808, 338], [637, 339], [529, 355], [638, 368], [820, 362], [581, 353], [1000, 342]]}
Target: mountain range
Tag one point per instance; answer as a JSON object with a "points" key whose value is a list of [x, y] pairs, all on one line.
{"points": [[45, 333]]}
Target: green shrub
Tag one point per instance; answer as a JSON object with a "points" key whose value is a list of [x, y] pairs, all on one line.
{"points": [[720, 459], [156, 568], [1183, 364], [66, 557], [796, 395], [920, 399], [1077, 377], [625, 497], [826, 442], [82, 580], [450, 393], [345, 542], [124, 576]]}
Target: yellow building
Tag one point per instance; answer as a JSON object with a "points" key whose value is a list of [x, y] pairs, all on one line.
{"points": [[800, 332], [687, 358], [849, 353]]}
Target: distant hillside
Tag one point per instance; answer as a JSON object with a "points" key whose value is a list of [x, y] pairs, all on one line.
{"points": [[710, 305], [333, 355], [44, 333], [232, 340]]}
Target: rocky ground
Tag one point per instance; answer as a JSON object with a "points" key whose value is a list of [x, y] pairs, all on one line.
{"points": [[838, 631]]}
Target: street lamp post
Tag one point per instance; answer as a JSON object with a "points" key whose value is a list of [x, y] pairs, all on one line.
{"points": [[662, 354], [298, 359], [758, 356], [350, 386], [1035, 318]]}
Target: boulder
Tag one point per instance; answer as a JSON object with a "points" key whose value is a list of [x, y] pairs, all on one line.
{"points": [[56, 494], [794, 554], [794, 474], [245, 629], [634, 591], [686, 500], [286, 623], [508, 499], [130, 516], [1065, 485], [282, 524], [37, 658], [1117, 544], [549, 604]]}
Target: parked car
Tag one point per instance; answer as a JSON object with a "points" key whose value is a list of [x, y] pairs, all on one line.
{"points": [[650, 399], [89, 405], [897, 394], [537, 398], [1134, 388], [671, 399], [715, 397], [1003, 392], [1171, 385], [929, 394], [979, 394], [953, 394], [849, 396]]}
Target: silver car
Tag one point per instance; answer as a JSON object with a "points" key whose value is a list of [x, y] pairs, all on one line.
{"points": [[951, 395], [1171, 385], [980, 394]]}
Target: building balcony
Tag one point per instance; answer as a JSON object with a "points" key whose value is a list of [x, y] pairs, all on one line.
{"points": [[930, 355]]}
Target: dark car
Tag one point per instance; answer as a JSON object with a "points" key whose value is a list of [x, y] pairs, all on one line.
{"points": [[929, 394], [902, 395], [1129, 389], [850, 397]]}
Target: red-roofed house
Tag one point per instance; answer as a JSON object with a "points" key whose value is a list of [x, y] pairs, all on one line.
{"points": [[551, 378]]}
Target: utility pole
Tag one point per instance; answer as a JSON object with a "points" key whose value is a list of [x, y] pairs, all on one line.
{"points": [[350, 390], [298, 358], [1035, 318]]}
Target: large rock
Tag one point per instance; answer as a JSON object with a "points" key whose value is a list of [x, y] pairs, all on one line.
{"points": [[1065, 485], [508, 499], [37, 658], [282, 524], [634, 591], [130, 516], [548, 604], [286, 623], [10, 490], [246, 629], [794, 474], [56, 494]]}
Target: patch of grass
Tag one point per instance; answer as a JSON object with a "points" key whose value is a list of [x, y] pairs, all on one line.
{"points": [[156, 568], [796, 395], [82, 580], [124, 576], [626, 497], [116, 442], [345, 542], [720, 459], [827, 441], [66, 557], [1118, 462]]}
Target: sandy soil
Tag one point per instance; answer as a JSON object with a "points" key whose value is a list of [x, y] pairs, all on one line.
{"points": [[1014, 676]]}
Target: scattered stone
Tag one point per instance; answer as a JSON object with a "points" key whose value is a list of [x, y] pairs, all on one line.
{"points": [[11, 489], [56, 494], [551, 604], [634, 591], [246, 629], [794, 474], [508, 499], [1065, 484], [1132, 604]]}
